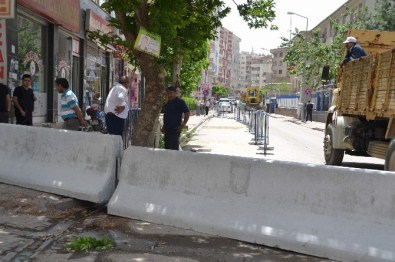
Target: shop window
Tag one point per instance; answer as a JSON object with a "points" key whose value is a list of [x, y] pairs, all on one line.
{"points": [[93, 73], [63, 63], [30, 60]]}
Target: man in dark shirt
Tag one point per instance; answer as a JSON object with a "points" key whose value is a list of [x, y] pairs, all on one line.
{"points": [[5, 103], [309, 110], [172, 118], [23, 99]]}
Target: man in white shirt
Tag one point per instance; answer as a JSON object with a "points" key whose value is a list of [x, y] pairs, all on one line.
{"points": [[117, 107]]}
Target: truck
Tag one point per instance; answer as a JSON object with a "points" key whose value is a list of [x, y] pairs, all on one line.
{"points": [[251, 97], [361, 120]]}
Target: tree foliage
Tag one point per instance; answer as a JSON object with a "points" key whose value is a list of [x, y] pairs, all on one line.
{"points": [[220, 91], [184, 26], [308, 54]]}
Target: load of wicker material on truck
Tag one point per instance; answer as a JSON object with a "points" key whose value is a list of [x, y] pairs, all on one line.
{"points": [[361, 120]]}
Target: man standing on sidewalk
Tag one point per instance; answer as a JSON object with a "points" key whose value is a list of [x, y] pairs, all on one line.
{"points": [[309, 110], [5, 103], [172, 119], [23, 99], [117, 107], [69, 109]]}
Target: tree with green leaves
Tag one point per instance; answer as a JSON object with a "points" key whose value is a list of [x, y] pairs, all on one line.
{"points": [[308, 54], [383, 17], [220, 91], [184, 27]]}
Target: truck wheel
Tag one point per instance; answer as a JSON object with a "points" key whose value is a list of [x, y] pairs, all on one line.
{"points": [[390, 157], [333, 156]]}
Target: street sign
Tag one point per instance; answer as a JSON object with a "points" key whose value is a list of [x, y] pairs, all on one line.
{"points": [[205, 92]]}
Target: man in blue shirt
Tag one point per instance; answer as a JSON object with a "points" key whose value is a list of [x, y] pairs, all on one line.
{"points": [[69, 109], [354, 50], [172, 118]]}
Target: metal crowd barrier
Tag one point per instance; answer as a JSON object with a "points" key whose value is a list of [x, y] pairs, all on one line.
{"points": [[128, 131], [258, 124]]}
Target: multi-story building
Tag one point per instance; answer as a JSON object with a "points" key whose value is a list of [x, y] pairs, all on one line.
{"points": [[279, 66], [235, 66], [261, 70], [225, 56], [224, 62]]}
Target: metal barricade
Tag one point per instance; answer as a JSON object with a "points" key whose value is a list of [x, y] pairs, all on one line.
{"points": [[128, 131], [258, 124]]}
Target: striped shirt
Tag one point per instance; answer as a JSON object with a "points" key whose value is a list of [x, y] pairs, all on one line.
{"points": [[68, 101]]}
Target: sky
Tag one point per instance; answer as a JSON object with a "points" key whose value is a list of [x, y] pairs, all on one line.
{"points": [[256, 39]]}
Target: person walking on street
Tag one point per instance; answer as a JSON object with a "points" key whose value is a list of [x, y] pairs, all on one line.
{"points": [[117, 107], [172, 119], [198, 105], [309, 111], [354, 50], [23, 99], [5, 103], [207, 106], [69, 109]]}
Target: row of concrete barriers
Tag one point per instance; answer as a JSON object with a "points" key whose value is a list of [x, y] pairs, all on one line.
{"points": [[339, 213]]}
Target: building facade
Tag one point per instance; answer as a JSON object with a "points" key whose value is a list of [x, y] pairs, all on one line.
{"points": [[49, 39]]}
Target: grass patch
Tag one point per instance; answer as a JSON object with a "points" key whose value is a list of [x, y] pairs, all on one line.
{"points": [[89, 243]]}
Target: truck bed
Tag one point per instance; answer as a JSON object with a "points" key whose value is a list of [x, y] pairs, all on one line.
{"points": [[367, 86]]}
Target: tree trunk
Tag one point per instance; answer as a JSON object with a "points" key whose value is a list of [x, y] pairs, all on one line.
{"points": [[144, 129]]}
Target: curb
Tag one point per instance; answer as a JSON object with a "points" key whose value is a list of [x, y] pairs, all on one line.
{"points": [[184, 139]]}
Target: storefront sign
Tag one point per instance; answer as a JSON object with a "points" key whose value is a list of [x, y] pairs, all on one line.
{"points": [[63, 69], [34, 62], [3, 53], [95, 22], [7, 8], [148, 43], [120, 51], [65, 13]]}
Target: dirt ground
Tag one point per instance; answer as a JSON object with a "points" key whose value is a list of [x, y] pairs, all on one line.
{"points": [[66, 219]]}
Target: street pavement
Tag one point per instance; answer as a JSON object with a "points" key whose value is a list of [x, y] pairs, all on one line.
{"points": [[36, 226], [225, 136]]}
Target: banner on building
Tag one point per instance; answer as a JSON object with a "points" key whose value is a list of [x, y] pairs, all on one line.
{"points": [[148, 43], [7, 9]]}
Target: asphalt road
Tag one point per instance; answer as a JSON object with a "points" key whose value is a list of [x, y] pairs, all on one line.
{"points": [[289, 140]]}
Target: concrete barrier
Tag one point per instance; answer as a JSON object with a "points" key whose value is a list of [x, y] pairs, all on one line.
{"points": [[76, 164], [339, 213]]}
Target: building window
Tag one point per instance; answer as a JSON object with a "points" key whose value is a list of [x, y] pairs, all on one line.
{"points": [[31, 61], [280, 72]]}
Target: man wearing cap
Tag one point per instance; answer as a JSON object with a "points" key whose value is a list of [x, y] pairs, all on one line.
{"points": [[354, 50], [172, 118]]}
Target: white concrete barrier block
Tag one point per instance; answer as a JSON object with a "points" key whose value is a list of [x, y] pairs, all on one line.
{"points": [[339, 213], [76, 164]]}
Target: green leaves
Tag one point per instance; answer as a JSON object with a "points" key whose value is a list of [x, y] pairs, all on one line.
{"points": [[85, 244], [258, 13]]}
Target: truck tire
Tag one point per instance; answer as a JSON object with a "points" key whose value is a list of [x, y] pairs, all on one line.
{"points": [[332, 156], [389, 164]]}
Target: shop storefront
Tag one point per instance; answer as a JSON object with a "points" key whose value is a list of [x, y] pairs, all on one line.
{"points": [[39, 46], [98, 73]]}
